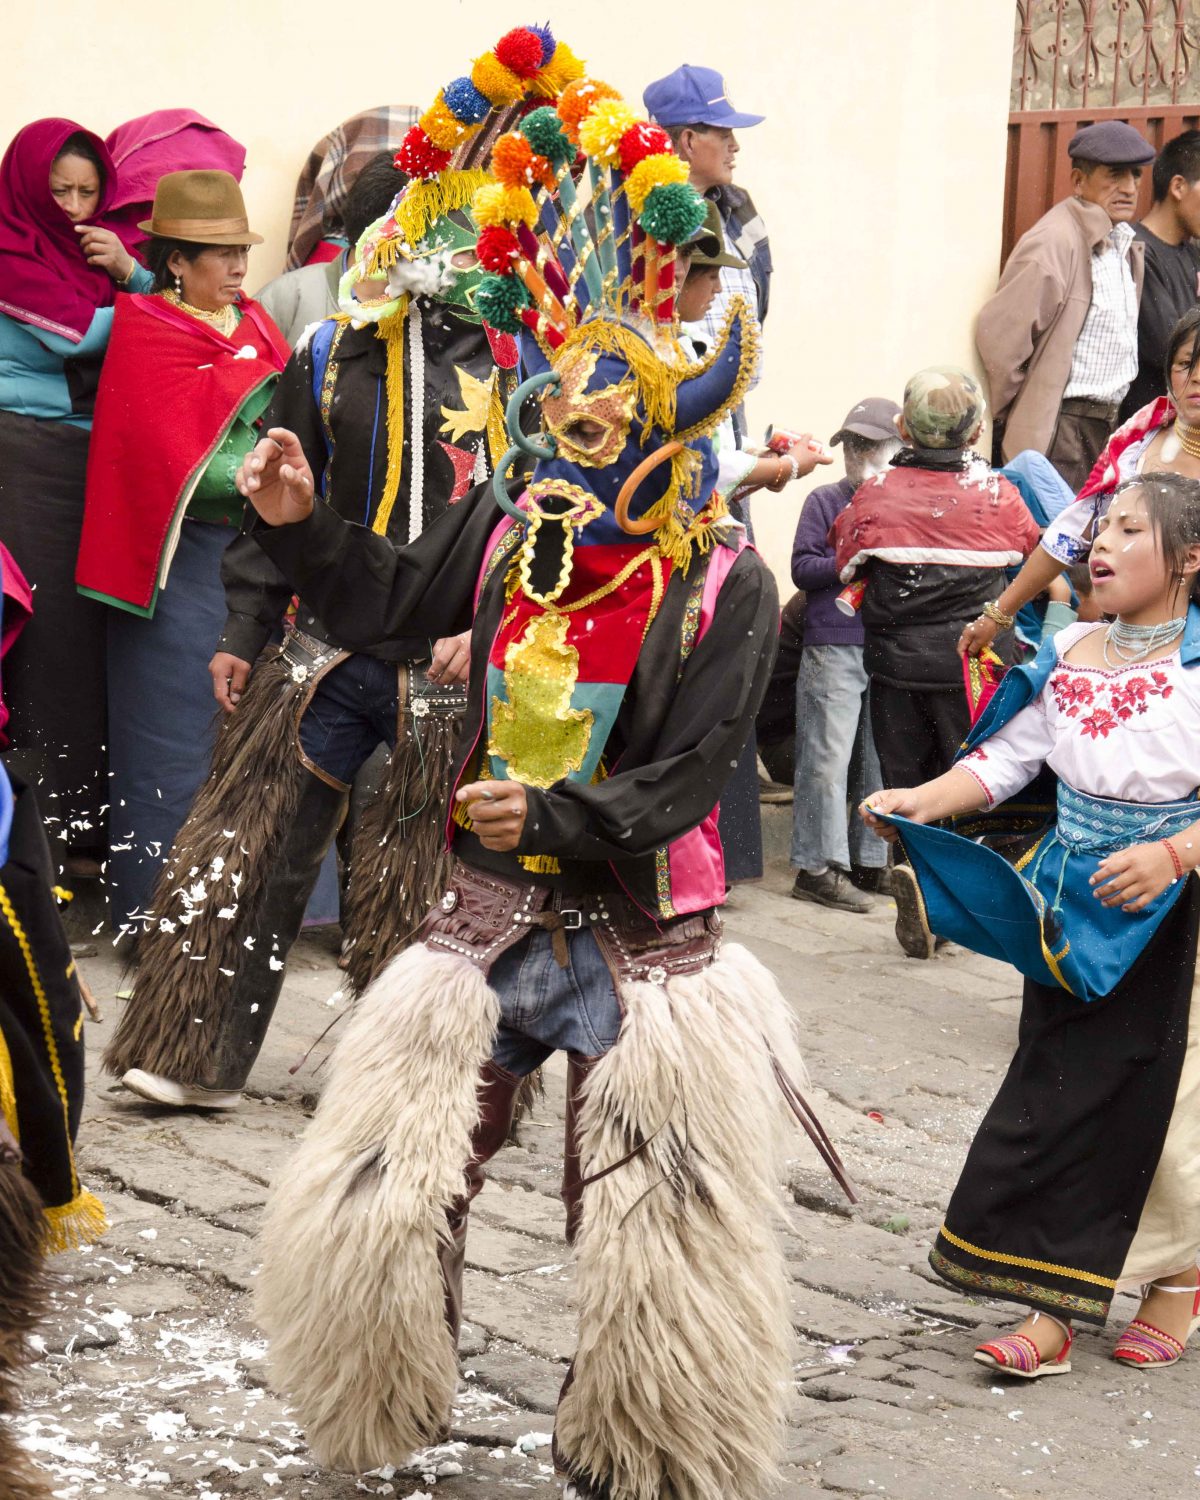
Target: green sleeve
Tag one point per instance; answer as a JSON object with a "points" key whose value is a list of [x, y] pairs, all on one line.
{"points": [[215, 497]]}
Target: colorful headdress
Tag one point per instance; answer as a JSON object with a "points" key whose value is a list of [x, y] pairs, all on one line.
{"points": [[578, 236]]}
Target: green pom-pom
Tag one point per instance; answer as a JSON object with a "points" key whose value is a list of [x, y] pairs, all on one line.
{"points": [[499, 300], [542, 128], [672, 212]]}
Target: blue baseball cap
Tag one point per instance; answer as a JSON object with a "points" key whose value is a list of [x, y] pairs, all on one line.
{"points": [[694, 96]]}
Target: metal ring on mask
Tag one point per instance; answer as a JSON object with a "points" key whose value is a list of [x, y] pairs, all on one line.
{"points": [[544, 447], [647, 466]]}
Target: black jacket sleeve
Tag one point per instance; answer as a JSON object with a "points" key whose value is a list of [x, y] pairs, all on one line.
{"points": [[708, 717], [256, 591], [369, 591]]}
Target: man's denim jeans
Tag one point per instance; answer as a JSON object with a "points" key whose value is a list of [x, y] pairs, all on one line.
{"points": [[835, 754], [546, 1009]]}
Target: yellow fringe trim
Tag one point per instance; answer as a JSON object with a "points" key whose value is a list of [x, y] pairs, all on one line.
{"points": [[80, 1222], [1025, 1264], [8, 1091], [540, 864], [391, 330], [425, 202]]}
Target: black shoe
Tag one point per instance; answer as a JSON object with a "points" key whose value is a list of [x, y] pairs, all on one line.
{"points": [[832, 888], [877, 880], [912, 930]]}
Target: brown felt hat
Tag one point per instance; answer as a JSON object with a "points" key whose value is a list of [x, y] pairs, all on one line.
{"points": [[203, 208]]}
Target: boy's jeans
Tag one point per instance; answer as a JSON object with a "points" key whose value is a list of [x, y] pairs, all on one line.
{"points": [[833, 737]]}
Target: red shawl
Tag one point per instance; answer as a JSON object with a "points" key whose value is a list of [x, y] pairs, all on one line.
{"points": [[45, 279], [169, 391], [1147, 419]]}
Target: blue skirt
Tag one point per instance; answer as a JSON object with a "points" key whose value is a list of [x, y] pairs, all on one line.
{"points": [[1040, 913]]}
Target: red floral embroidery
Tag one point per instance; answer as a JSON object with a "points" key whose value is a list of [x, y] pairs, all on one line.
{"points": [[1126, 696], [1098, 724], [1071, 693]]}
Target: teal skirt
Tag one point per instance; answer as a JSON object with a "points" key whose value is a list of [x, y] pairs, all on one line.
{"points": [[1036, 909]]}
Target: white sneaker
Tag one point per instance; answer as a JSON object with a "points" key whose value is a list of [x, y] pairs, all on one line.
{"points": [[180, 1095]]}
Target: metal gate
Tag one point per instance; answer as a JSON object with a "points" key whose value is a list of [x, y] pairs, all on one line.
{"points": [[1077, 61]]}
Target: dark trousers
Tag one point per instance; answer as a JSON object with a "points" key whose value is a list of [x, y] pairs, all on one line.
{"points": [[918, 731], [1080, 434]]}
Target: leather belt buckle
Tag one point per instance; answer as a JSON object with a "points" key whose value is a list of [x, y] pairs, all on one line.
{"points": [[572, 920]]}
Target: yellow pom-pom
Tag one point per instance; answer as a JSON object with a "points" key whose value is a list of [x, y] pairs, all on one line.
{"points": [[563, 68], [600, 133], [496, 204], [498, 85], [652, 172], [442, 128]]}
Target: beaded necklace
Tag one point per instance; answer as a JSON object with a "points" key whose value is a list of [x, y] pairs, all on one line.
{"points": [[224, 319], [1133, 643]]}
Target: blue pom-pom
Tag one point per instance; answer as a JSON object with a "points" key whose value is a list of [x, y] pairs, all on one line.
{"points": [[546, 37], [465, 102]]}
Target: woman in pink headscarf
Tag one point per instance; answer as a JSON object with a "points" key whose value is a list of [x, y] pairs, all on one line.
{"points": [[165, 140], [62, 266]]}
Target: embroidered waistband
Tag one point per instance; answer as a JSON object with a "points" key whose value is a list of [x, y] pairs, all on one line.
{"points": [[1098, 825]]}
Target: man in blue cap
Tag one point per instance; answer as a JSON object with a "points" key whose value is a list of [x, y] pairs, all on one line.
{"points": [[1058, 339], [692, 106]]}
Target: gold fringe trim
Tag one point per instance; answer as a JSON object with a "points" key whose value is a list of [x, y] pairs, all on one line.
{"points": [[391, 330], [8, 1091], [745, 374], [425, 202], [80, 1222], [540, 864]]}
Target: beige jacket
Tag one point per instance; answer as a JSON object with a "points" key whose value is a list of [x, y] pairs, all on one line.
{"points": [[1028, 329]]}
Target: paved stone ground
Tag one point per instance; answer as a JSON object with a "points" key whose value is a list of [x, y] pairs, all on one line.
{"points": [[151, 1377]]}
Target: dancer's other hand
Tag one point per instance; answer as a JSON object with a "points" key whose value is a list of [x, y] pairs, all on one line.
{"points": [[1131, 878], [276, 479], [498, 810], [229, 675], [903, 800], [451, 661]]}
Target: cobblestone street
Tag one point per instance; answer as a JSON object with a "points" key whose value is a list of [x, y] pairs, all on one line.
{"points": [[151, 1380]]}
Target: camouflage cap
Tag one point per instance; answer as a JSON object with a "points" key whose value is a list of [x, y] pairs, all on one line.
{"points": [[942, 407]]}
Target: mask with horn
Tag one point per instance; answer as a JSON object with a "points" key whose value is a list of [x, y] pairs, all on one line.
{"points": [[577, 235]]}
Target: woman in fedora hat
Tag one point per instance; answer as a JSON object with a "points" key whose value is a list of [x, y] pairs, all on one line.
{"points": [[189, 371]]}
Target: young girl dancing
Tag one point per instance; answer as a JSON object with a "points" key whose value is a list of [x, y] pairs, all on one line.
{"points": [[1084, 1177]]}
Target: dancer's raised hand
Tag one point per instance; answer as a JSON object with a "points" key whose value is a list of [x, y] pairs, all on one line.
{"points": [[276, 479]]}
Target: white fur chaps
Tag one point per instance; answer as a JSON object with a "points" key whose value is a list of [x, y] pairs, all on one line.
{"points": [[683, 1369], [350, 1293]]}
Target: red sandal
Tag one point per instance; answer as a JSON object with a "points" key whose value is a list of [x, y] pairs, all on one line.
{"points": [[1017, 1354], [1149, 1348]]}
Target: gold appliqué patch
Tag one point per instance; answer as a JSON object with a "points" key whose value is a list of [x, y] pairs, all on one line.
{"points": [[537, 732]]}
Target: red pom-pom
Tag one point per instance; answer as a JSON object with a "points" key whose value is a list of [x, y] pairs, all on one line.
{"points": [[496, 248], [643, 140], [520, 50], [419, 157]]}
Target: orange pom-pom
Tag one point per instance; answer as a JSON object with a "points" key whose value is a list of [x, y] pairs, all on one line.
{"points": [[443, 129], [516, 164], [578, 100]]}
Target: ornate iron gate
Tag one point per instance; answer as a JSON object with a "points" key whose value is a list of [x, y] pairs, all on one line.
{"points": [[1076, 61]]}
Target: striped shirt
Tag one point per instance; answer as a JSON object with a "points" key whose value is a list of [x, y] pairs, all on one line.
{"points": [[1105, 361]]}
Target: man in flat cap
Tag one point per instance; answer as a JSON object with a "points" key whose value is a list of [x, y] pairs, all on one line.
{"points": [[1059, 339]]}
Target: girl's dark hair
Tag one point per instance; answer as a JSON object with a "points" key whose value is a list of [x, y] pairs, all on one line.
{"points": [[1173, 509], [80, 144], [1187, 328], [156, 252]]}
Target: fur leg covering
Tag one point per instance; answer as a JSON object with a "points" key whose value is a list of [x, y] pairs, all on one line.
{"points": [[399, 863], [205, 899], [350, 1294], [23, 1298], [683, 1368]]}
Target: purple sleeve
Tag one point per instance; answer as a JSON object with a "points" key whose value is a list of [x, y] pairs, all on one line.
{"points": [[813, 560]]}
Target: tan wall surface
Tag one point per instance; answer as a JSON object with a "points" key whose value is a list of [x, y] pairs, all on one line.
{"points": [[879, 170]]}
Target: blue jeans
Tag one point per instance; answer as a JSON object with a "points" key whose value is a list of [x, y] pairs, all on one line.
{"points": [[835, 756], [352, 711], [546, 1009]]}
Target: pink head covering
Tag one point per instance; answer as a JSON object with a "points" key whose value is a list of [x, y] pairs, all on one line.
{"points": [[44, 278], [166, 140]]}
